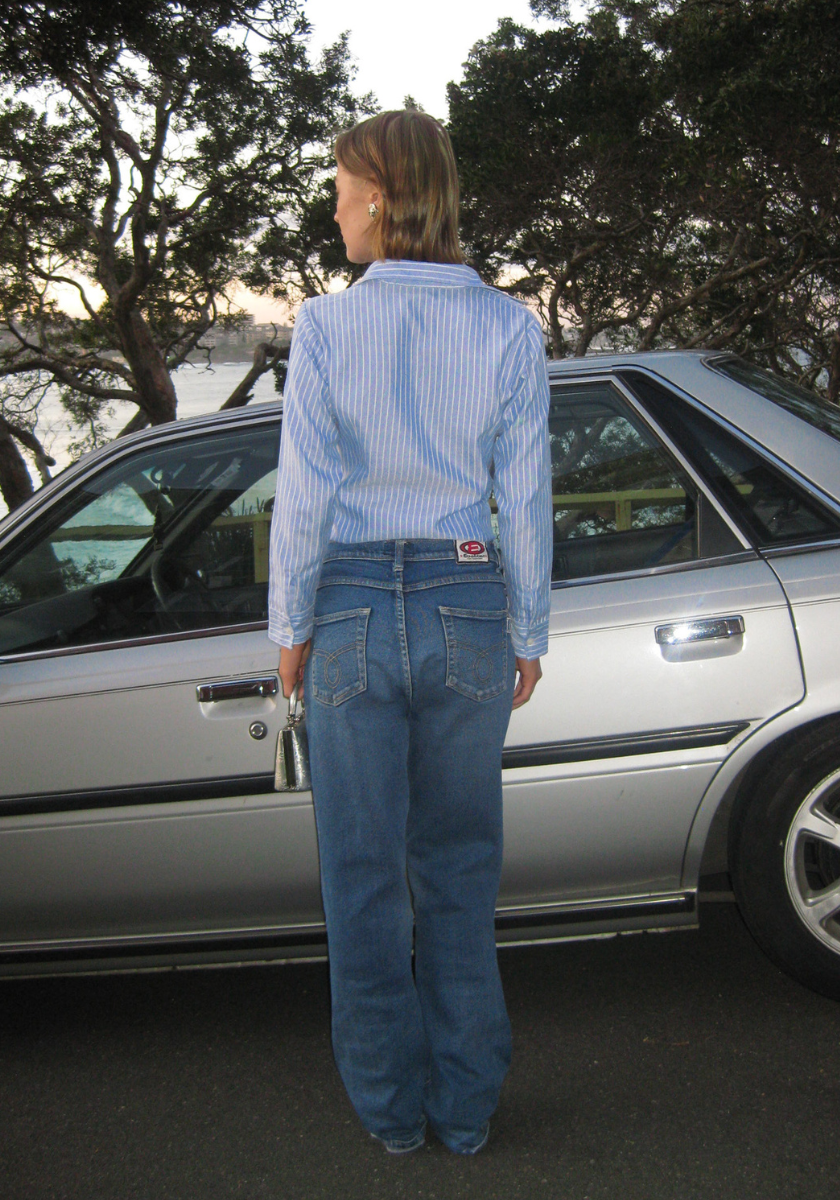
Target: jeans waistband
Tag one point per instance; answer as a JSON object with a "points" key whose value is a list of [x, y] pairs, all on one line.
{"points": [[407, 550]]}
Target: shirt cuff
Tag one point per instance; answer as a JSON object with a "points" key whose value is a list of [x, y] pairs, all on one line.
{"points": [[289, 633], [529, 642]]}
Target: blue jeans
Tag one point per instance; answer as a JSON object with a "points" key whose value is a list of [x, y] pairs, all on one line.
{"points": [[408, 695]]}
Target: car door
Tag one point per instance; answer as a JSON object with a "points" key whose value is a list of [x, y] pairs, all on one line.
{"points": [[670, 639], [139, 705]]}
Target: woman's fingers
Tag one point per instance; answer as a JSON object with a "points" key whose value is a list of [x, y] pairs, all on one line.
{"points": [[529, 675], [292, 662]]}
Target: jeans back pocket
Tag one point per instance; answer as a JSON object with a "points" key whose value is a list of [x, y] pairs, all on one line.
{"points": [[338, 667], [476, 651]]}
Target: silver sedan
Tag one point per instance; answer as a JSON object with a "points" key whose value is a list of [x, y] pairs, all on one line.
{"points": [[687, 725]]}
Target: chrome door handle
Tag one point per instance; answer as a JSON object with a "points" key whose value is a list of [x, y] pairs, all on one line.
{"points": [[704, 630], [236, 689]]}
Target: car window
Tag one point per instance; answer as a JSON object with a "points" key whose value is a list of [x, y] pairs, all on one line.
{"points": [[621, 501], [772, 507], [787, 395], [172, 538]]}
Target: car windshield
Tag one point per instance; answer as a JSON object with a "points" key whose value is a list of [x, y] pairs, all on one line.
{"points": [[795, 399]]}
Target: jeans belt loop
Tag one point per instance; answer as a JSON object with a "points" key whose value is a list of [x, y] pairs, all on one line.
{"points": [[500, 565]]}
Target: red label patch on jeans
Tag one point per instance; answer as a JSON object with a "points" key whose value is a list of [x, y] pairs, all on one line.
{"points": [[471, 550]]}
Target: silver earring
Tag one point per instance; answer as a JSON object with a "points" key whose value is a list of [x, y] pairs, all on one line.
{"points": [[373, 211]]}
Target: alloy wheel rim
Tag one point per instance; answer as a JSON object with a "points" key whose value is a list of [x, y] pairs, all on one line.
{"points": [[812, 861]]}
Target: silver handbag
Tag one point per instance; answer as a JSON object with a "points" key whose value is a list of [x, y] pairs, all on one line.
{"points": [[291, 767]]}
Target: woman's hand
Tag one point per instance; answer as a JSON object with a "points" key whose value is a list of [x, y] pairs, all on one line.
{"points": [[292, 662], [530, 673]]}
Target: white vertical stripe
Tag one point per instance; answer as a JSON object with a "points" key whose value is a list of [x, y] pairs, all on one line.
{"points": [[403, 393]]}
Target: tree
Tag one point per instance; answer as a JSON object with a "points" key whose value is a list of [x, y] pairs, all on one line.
{"points": [[562, 153], [662, 174], [761, 80], [148, 146], [302, 256]]}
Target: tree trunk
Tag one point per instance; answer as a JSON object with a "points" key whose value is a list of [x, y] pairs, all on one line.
{"points": [[558, 340], [584, 338], [833, 392], [152, 379], [265, 357], [15, 483], [138, 421]]}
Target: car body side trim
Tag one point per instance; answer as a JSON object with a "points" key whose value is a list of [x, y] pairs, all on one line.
{"points": [[654, 742], [152, 639], [696, 564], [769, 552], [135, 948], [150, 793], [570, 913], [545, 754], [272, 942]]}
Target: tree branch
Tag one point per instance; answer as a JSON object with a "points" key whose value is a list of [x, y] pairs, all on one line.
{"points": [[43, 461], [68, 378], [52, 277], [266, 356]]}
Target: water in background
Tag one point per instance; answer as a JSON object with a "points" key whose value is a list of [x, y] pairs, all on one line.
{"points": [[200, 390]]}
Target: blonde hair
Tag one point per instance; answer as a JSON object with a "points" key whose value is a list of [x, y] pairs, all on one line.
{"points": [[408, 155]]}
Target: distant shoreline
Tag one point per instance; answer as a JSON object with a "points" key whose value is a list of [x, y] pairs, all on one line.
{"points": [[200, 389]]}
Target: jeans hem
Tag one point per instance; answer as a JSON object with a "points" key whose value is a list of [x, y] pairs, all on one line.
{"points": [[398, 1145], [461, 1141]]}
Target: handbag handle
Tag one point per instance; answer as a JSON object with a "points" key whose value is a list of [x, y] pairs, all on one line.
{"points": [[293, 716]]}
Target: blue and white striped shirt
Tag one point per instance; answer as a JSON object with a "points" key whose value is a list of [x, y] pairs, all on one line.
{"points": [[410, 397]]}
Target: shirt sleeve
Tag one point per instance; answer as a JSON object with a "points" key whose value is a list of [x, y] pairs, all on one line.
{"points": [[308, 475], [522, 487]]}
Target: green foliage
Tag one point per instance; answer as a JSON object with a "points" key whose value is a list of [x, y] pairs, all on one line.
{"points": [[78, 575], [556, 9], [299, 253], [663, 173], [159, 153], [281, 370]]}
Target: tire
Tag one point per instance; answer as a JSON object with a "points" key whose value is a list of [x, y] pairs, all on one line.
{"points": [[784, 858]]}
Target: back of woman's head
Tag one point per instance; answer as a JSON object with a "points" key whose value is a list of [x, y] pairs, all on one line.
{"points": [[408, 155]]}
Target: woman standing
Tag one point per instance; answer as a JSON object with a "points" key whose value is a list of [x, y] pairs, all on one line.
{"points": [[410, 396]]}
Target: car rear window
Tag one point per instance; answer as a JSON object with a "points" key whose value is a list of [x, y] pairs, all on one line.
{"points": [[790, 396], [772, 508]]}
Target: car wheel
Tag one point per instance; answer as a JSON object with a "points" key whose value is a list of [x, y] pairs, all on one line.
{"points": [[784, 859]]}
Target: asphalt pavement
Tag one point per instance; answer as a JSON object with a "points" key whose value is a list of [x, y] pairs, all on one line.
{"points": [[679, 1066]]}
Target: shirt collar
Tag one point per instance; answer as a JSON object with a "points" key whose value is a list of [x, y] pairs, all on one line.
{"points": [[406, 270]]}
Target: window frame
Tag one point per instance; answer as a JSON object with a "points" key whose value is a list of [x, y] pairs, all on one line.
{"points": [[718, 364], [609, 377], [784, 468], [76, 476]]}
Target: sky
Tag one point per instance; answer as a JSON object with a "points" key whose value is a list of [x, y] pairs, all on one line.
{"points": [[411, 48]]}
